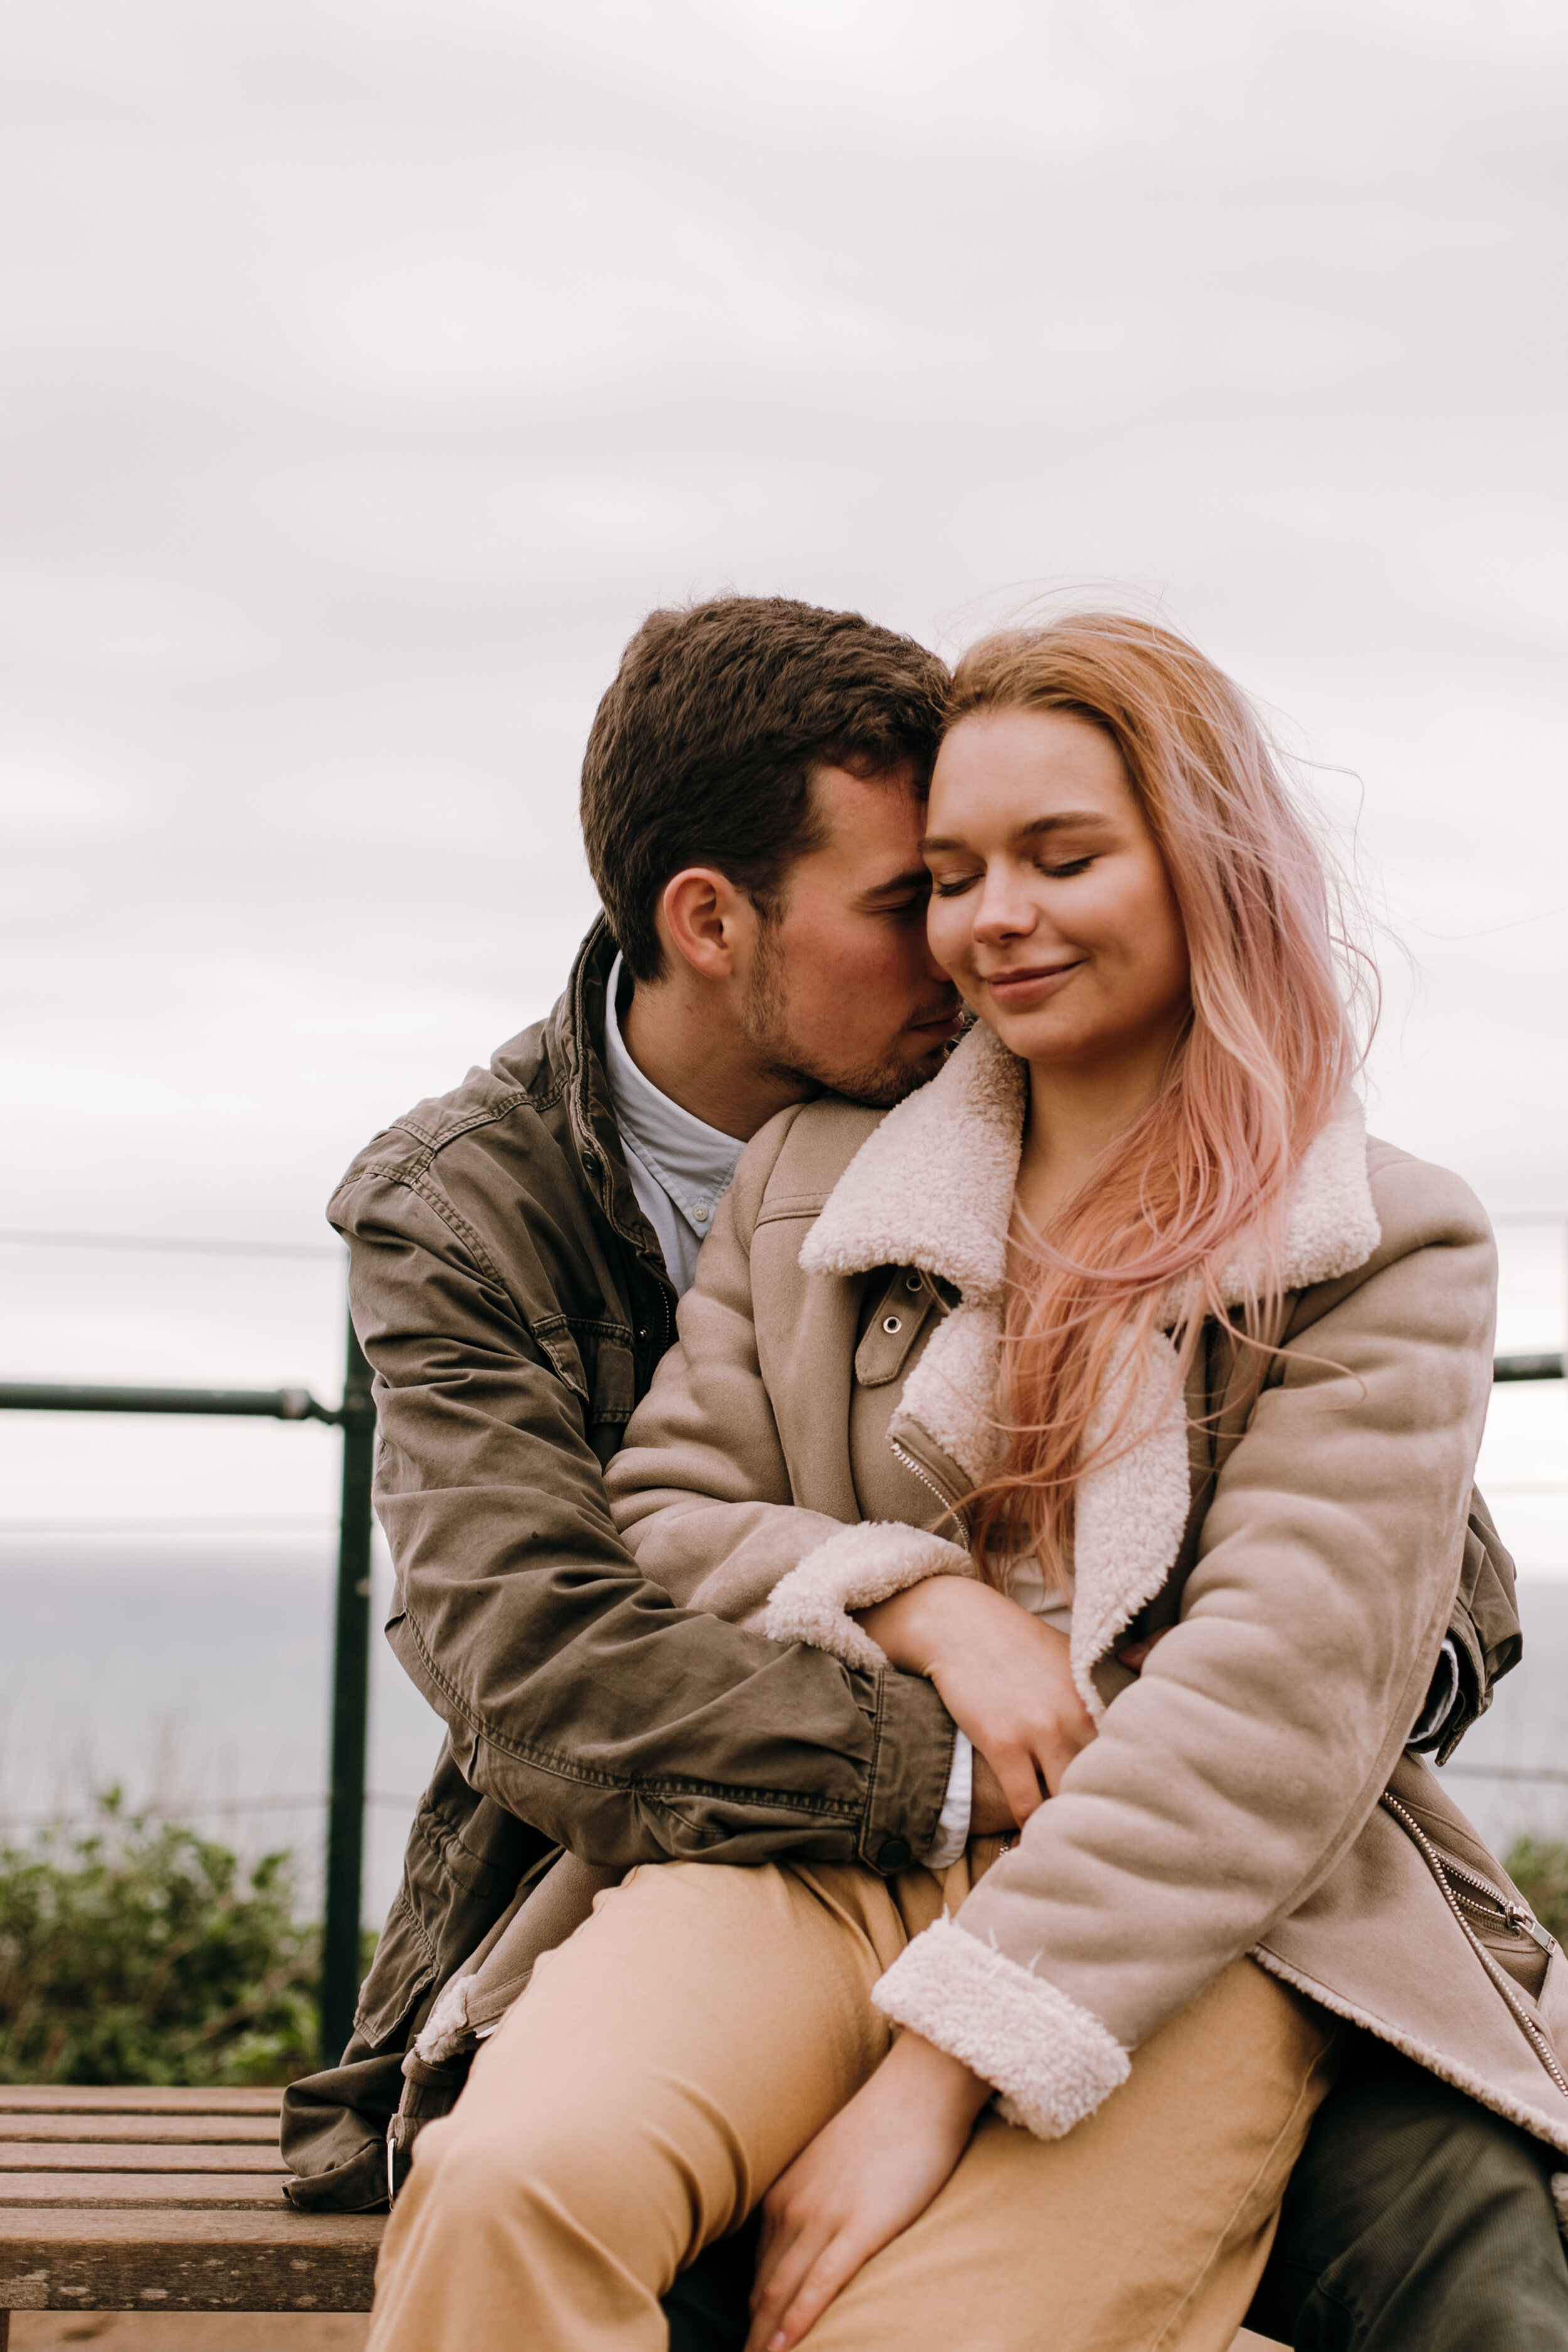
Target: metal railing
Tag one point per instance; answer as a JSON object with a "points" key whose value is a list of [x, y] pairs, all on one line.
{"points": [[355, 1416]]}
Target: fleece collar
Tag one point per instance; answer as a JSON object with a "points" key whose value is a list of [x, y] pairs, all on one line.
{"points": [[933, 1187]]}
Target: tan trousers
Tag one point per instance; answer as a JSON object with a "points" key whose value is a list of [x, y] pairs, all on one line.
{"points": [[671, 2059]]}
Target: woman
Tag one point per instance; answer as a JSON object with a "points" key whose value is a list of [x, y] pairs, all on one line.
{"points": [[1118, 1384]]}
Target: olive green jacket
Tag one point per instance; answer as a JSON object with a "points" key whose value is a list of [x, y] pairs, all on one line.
{"points": [[513, 1304]]}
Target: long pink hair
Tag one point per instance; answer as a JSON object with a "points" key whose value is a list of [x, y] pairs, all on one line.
{"points": [[1266, 1056]]}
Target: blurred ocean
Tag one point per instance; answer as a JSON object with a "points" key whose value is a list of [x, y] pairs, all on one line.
{"points": [[195, 1675]]}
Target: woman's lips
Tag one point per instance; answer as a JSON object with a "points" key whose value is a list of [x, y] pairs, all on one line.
{"points": [[1031, 986]]}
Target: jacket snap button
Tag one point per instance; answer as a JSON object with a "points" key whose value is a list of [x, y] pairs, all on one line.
{"points": [[893, 1323], [895, 1853]]}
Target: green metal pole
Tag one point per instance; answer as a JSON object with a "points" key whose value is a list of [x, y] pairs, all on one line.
{"points": [[351, 1713]]}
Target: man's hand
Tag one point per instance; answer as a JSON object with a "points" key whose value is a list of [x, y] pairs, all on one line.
{"points": [[858, 2184], [1004, 1678]]}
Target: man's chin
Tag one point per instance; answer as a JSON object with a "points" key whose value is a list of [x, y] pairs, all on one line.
{"points": [[882, 1085]]}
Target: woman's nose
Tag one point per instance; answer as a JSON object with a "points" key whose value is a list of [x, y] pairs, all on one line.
{"points": [[1005, 910]]}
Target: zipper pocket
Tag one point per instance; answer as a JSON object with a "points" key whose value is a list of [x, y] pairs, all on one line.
{"points": [[1495, 1907]]}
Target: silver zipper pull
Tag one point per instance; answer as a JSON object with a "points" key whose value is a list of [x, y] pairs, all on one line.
{"points": [[1524, 1924]]}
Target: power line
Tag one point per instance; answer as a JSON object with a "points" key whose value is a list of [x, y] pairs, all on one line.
{"points": [[181, 1247], [69, 1817], [250, 1523]]}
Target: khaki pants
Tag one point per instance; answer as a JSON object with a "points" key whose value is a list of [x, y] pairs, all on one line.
{"points": [[671, 2059]]}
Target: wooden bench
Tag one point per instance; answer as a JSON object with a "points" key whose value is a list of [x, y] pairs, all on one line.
{"points": [[169, 2200], [164, 2200]]}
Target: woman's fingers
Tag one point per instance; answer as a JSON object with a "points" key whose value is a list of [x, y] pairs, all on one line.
{"points": [[1018, 1777], [783, 2270], [863, 2178], [833, 2267]]}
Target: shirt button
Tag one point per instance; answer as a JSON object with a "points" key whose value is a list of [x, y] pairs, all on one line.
{"points": [[893, 1323], [701, 1213], [895, 1853]]}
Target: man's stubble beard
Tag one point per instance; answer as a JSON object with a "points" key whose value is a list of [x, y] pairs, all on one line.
{"points": [[765, 1028]]}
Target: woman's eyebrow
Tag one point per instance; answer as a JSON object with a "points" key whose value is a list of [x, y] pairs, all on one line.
{"points": [[1027, 832]]}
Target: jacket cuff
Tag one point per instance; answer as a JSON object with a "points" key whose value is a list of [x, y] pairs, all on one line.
{"points": [[911, 1769], [1052, 2062], [853, 1570]]}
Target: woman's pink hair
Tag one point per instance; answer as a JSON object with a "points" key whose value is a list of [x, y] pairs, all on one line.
{"points": [[1265, 1059]]}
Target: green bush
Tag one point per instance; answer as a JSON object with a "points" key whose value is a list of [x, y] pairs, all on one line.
{"points": [[143, 1953], [1539, 1868]]}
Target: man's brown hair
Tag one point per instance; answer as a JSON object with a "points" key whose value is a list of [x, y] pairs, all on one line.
{"points": [[703, 749]]}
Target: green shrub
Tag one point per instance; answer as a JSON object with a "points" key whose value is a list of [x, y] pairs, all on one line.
{"points": [[1539, 1868], [143, 1953]]}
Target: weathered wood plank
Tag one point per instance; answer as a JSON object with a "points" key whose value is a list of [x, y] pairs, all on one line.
{"points": [[161, 2190], [116, 2156], [145, 2131], [187, 2261], [47, 2098]]}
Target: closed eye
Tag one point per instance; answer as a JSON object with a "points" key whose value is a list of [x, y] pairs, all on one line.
{"points": [[1065, 872]]}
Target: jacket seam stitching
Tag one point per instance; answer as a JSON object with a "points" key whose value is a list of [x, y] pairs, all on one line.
{"points": [[561, 1768]]}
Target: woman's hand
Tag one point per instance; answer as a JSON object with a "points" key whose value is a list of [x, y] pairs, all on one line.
{"points": [[1004, 1678], [860, 2184]]}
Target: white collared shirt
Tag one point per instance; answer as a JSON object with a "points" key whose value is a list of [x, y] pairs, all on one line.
{"points": [[681, 1167]]}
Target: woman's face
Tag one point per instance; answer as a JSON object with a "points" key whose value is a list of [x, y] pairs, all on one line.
{"points": [[1050, 907]]}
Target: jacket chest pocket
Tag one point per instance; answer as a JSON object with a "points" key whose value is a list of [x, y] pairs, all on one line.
{"points": [[898, 1314], [597, 1363]]}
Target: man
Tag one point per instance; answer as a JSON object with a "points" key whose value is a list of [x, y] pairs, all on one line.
{"points": [[752, 800]]}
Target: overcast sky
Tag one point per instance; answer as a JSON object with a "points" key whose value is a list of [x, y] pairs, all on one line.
{"points": [[367, 370]]}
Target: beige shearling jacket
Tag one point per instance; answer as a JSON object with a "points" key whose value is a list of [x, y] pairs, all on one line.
{"points": [[804, 1449]]}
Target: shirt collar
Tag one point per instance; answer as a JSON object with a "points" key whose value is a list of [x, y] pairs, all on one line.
{"points": [[692, 1160]]}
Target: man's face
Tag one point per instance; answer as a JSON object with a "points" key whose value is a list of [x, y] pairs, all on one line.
{"points": [[843, 990]]}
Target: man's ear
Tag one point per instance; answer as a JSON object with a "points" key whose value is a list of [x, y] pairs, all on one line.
{"points": [[708, 923]]}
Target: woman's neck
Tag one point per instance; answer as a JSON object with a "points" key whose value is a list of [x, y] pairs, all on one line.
{"points": [[1074, 1117]]}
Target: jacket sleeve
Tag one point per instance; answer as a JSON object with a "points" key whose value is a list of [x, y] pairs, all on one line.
{"points": [[577, 1694], [1232, 1776]]}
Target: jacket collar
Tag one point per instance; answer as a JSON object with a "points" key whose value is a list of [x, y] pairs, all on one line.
{"points": [[933, 1187], [575, 1043]]}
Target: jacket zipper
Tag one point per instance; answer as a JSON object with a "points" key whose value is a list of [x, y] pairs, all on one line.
{"points": [[1520, 1922], [917, 1470]]}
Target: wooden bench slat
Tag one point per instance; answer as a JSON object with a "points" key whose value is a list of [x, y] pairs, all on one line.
{"points": [[70, 2099], [147, 2131], [190, 2260], [170, 2190], [112, 2156]]}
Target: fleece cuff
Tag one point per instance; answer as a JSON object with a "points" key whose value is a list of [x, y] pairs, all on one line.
{"points": [[1052, 2062], [853, 1570]]}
